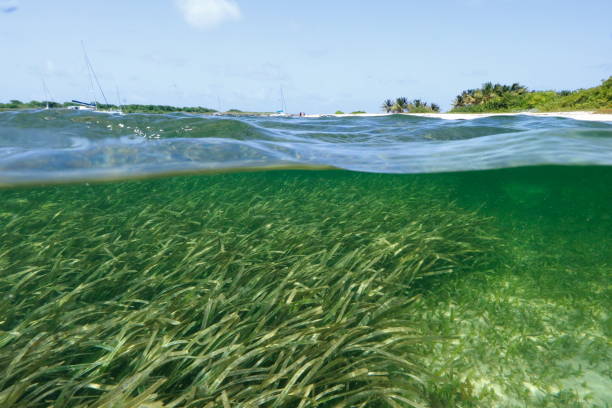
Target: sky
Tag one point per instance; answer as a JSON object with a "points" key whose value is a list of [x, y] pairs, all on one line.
{"points": [[325, 55]]}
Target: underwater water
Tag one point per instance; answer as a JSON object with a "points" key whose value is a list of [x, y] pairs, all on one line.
{"points": [[304, 286]]}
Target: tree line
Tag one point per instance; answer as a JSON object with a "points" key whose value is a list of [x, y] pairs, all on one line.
{"points": [[515, 97], [402, 104], [489, 93], [489, 97], [133, 108]]}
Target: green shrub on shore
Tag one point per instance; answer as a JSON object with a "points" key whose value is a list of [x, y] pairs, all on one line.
{"points": [[599, 97], [515, 98]]}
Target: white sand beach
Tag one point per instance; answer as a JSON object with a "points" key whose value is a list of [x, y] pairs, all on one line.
{"points": [[457, 116]]}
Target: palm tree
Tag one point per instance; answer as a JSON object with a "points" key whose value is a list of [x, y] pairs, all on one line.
{"points": [[487, 88], [518, 88], [387, 105], [435, 107], [469, 96], [499, 90], [459, 100], [488, 92], [401, 104]]}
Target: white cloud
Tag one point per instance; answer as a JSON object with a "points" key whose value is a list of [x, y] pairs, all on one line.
{"points": [[208, 13]]}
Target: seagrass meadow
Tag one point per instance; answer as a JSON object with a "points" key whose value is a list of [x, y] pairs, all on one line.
{"points": [[309, 289]]}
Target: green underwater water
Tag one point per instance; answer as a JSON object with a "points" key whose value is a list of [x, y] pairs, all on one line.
{"points": [[310, 288]]}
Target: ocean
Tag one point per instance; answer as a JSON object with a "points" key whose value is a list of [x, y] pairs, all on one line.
{"points": [[186, 261]]}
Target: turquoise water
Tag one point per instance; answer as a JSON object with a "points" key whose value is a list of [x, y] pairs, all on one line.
{"points": [[305, 286], [54, 146]]}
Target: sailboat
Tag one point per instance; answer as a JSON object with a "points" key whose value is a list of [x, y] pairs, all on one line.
{"points": [[283, 110], [47, 93], [92, 106], [82, 106]]}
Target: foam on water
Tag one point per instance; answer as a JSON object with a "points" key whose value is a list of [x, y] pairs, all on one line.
{"points": [[61, 145]]}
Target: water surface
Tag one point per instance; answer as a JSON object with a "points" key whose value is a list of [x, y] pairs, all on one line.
{"points": [[60, 145], [304, 288]]}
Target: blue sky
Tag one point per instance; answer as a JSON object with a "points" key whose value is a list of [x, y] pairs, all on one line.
{"points": [[327, 55]]}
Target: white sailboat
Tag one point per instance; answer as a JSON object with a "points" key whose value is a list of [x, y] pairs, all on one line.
{"points": [[283, 110], [82, 106], [47, 93], [92, 106]]}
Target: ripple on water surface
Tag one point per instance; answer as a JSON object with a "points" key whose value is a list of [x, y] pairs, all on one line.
{"points": [[60, 145]]}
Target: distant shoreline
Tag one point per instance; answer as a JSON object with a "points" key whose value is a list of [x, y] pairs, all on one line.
{"points": [[577, 115]]}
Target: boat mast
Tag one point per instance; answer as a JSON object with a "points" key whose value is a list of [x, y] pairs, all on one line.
{"points": [[47, 93], [92, 91], [118, 98], [283, 100], [92, 73]]}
